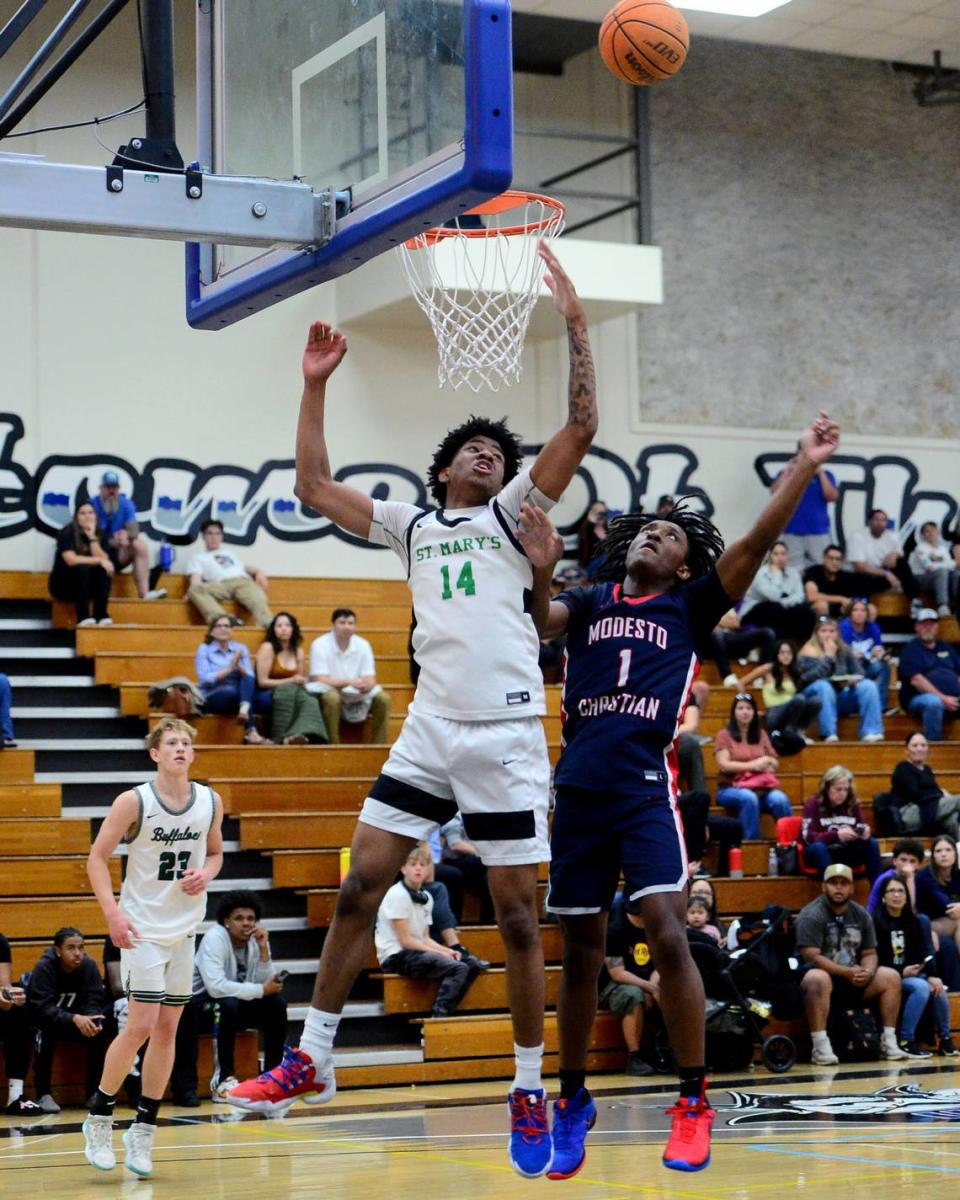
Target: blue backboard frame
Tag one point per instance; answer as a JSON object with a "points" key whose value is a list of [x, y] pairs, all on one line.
{"points": [[484, 170]]}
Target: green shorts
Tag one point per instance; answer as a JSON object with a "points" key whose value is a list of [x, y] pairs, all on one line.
{"points": [[621, 998]]}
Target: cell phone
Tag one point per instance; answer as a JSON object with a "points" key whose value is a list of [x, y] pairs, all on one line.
{"points": [[281, 976], [6, 994]]}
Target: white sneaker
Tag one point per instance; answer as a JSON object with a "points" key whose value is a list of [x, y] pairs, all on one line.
{"points": [[48, 1104], [823, 1055], [832, 737], [98, 1142], [218, 1091], [138, 1140], [88, 621], [105, 621], [155, 594], [872, 737], [731, 680], [891, 1050]]}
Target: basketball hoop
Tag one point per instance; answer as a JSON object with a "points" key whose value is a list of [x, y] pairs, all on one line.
{"points": [[478, 280]]}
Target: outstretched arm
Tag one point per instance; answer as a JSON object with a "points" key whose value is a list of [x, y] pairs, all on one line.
{"points": [[348, 507], [544, 548], [557, 462], [741, 560]]}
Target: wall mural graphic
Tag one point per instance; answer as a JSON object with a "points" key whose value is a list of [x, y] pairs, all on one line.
{"points": [[173, 496]]}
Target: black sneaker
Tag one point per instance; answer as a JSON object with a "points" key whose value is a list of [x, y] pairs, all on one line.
{"points": [[638, 1066], [946, 1047], [471, 960], [24, 1107], [187, 1100], [913, 1049]]}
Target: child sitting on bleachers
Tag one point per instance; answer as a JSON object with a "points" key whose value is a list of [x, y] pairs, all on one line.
{"points": [[698, 918]]}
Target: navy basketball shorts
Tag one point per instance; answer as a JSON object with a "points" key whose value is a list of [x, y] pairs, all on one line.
{"points": [[596, 835]]}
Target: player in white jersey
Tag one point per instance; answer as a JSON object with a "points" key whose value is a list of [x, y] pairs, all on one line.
{"points": [[473, 738], [171, 828]]}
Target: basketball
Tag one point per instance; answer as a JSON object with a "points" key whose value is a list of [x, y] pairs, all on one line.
{"points": [[644, 42]]}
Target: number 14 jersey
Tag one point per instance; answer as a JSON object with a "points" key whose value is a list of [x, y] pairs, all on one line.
{"points": [[473, 638], [164, 845]]}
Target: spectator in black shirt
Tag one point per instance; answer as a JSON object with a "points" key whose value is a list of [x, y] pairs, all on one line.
{"points": [[829, 588], [629, 984], [66, 999], [14, 1035], [925, 807], [82, 568]]}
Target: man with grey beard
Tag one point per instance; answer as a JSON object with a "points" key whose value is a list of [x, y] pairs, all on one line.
{"points": [[118, 520]]}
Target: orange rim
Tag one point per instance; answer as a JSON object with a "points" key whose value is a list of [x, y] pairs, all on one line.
{"points": [[496, 204]]}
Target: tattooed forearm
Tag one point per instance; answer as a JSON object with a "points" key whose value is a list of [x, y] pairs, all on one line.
{"points": [[583, 383]]}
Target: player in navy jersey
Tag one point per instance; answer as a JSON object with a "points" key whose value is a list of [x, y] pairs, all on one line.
{"points": [[635, 643]]}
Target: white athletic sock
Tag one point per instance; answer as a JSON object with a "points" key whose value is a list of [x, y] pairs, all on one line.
{"points": [[529, 1063], [820, 1038], [890, 1035], [319, 1030], [14, 1090]]}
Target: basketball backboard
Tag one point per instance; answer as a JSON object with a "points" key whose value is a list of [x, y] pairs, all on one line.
{"points": [[397, 113]]}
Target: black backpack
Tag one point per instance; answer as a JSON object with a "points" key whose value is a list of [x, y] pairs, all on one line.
{"points": [[887, 818], [854, 1035]]}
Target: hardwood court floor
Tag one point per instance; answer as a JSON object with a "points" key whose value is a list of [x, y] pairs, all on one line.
{"points": [[846, 1130]]}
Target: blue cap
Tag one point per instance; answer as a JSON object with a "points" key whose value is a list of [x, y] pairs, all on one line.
{"points": [[110, 479]]}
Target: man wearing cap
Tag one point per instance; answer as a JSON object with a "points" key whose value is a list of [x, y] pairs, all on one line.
{"points": [[118, 520], [929, 676], [838, 945]]}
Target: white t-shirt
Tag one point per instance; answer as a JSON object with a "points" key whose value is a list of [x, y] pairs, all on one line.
{"points": [[214, 566], [864, 547], [164, 846], [930, 558], [396, 905], [473, 637], [326, 658]]}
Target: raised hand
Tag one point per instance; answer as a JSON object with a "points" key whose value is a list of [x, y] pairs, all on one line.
{"points": [[821, 439], [323, 352], [565, 296], [541, 542]]}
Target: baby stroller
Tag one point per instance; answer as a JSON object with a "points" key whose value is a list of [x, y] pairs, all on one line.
{"points": [[745, 988]]}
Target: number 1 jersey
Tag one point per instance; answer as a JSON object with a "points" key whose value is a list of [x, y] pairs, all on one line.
{"points": [[474, 638], [630, 664], [164, 845]]}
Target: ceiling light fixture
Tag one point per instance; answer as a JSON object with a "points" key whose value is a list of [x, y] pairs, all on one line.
{"points": [[733, 8]]}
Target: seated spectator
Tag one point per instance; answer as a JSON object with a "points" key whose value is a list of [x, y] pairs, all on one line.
{"points": [[906, 946], [837, 944], [296, 715], [789, 712], [925, 807], [747, 764], [834, 830], [404, 945], [217, 574], [700, 825], [443, 926], [865, 640], [703, 889], [234, 973], [934, 569], [14, 1037], [698, 918], [115, 1013], [929, 676], [343, 673], [460, 868], [776, 598], [908, 857], [592, 531], [731, 640], [829, 672], [66, 999], [938, 889], [227, 679], [629, 984], [875, 551], [808, 530], [7, 736], [82, 570], [829, 588], [117, 518]]}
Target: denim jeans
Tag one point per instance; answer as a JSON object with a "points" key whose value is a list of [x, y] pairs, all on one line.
{"points": [[878, 669], [916, 997], [931, 711], [863, 699], [746, 804], [6, 700], [865, 853]]}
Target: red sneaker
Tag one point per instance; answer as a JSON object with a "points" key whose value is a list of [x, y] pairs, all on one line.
{"points": [[274, 1091], [689, 1146]]}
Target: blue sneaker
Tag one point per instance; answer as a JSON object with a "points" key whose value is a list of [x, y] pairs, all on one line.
{"points": [[572, 1121], [531, 1150]]}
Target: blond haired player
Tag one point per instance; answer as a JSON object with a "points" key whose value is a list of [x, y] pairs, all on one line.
{"points": [[171, 828]]}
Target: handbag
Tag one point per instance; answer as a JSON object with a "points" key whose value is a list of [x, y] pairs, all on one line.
{"points": [[756, 779], [177, 701]]}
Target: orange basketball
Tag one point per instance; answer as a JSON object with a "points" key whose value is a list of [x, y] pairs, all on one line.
{"points": [[643, 42]]}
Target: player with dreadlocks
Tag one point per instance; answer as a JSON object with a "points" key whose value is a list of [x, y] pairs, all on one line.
{"points": [[473, 738], [635, 643]]}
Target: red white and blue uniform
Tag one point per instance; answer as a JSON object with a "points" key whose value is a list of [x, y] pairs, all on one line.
{"points": [[630, 664]]}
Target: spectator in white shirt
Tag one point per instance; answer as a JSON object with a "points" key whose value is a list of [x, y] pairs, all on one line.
{"points": [[342, 671], [932, 564], [875, 550], [217, 574]]}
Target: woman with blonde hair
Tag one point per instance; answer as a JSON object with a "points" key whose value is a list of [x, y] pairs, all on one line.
{"points": [[833, 829], [830, 672]]}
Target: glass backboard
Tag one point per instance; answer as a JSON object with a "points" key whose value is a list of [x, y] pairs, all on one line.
{"points": [[399, 112]]}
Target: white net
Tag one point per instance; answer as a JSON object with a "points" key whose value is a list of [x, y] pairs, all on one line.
{"points": [[478, 284]]}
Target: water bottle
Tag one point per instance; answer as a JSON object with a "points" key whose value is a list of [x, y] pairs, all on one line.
{"points": [[166, 555], [773, 863], [736, 863]]}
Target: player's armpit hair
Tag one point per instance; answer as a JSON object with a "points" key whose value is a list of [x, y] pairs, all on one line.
{"points": [[497, 431], [704, 542]]}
